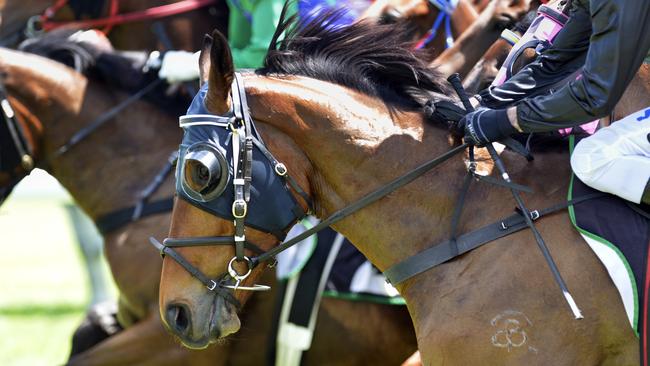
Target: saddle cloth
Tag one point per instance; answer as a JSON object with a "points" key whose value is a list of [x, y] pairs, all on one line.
{"points": [[619, 237]]}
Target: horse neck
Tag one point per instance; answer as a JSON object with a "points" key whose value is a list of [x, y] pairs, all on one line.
{"points": [[108, 169], [464, 16], [355, 147], [111, 169]]}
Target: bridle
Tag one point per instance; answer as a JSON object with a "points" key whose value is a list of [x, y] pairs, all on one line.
{"points": [[239, 120], [244, 136], [16, 149]]}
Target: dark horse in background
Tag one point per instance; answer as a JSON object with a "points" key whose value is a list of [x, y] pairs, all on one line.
{"points": [[343, 135], [109, 169], [182, 29]]}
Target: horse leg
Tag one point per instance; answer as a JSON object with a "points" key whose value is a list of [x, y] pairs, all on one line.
{"points": [[99, 324], [147, 343], [91, 245]]}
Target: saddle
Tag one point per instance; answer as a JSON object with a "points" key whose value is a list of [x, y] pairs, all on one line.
{"points": [[619, 234]]}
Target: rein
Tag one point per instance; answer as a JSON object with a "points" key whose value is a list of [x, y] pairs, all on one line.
{"points": [[44, 23], [447, 8], [21, 145], [15, 149], [242, 159], [399, 272], [143, 208]]}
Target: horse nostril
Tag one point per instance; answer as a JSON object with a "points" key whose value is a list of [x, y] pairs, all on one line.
{"points": [[178, 318]]}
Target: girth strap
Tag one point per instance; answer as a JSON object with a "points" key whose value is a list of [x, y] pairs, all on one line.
{"points": [[450, 249]]}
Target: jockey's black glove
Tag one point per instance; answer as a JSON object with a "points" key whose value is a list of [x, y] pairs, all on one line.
{"points": [[446, 113], [486, 125]]}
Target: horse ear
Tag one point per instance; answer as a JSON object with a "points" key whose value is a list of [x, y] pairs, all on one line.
{"points": [[221, 74], [204, 60]]}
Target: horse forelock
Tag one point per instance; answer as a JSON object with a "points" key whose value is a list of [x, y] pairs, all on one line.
{"points": [[374, 59]]}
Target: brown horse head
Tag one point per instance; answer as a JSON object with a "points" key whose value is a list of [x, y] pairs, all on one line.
{"points": [[286, 105], [195, 318]]}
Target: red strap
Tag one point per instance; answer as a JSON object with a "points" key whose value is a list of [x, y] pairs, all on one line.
{"points": [[116, 19], [112, 12], [52, 10], [644, 327]]}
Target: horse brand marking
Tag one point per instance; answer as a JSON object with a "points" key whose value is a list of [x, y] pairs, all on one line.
{"points": [[511, 330]]}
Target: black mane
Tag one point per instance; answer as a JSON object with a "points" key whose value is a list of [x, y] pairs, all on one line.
{"points": [[121, 70], [374, 59]]}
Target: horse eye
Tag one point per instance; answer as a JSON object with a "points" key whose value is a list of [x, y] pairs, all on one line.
{"points": [[202, 172]]}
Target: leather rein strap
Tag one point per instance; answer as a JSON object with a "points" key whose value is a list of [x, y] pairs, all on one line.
{"points": [[244, 130], [398, 273], [21, 146]]}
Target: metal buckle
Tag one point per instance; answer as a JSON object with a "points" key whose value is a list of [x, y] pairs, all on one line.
{"points": [[32, 29], [280, 169], [239, 209], [534, 215], [6, 108], [212, 286], [27, 162]]}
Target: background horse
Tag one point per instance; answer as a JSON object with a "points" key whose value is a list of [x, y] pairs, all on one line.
{"points": [[344, 135], [184, 30], [476, 39], [108, 170]]}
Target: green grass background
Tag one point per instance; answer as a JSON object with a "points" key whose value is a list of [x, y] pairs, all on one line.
{"points": [[44, 290]]}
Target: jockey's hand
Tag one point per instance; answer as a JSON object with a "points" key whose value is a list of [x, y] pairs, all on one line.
{"points": [[179, 66], [486, 125], [445, 112]]}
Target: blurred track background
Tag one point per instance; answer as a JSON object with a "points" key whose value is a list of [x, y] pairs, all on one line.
{"points": [[44, 288]]}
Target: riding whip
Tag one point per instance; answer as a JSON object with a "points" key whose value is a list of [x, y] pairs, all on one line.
{"points": [[454, 79]]}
